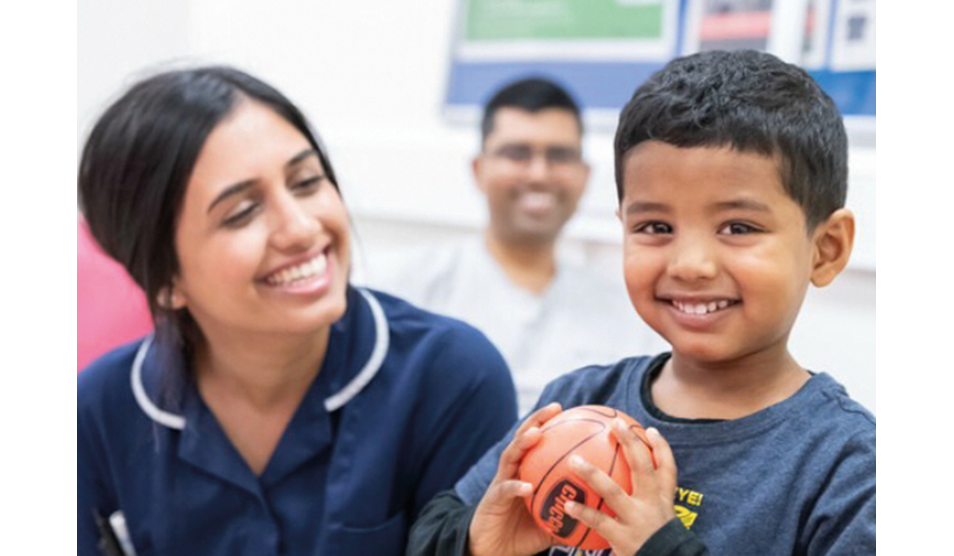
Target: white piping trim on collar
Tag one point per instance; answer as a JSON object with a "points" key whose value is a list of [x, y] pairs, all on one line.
{"points": [[382, 340], [170, 420]]}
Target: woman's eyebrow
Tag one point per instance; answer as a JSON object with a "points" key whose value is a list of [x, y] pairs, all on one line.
{"points": [[300, 157], [230, 191], [243, 185]]}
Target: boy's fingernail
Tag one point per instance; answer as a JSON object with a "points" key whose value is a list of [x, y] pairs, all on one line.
{"points": [[570, 506], [651, 431], [620, 425], [576, 461]]}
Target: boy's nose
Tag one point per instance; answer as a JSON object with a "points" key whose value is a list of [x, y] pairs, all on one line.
{"points": [[692, 261]]}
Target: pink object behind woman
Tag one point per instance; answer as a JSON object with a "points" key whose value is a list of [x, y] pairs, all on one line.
{"points": [[110, 308]]}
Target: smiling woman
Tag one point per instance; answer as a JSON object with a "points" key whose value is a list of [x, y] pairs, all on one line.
{"points": [[273, 395]]}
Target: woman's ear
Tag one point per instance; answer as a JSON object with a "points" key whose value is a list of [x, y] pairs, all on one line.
{"points": [[833, 240]]}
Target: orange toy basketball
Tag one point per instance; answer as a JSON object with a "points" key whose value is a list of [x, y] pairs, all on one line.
{"points": [[585, 431]]}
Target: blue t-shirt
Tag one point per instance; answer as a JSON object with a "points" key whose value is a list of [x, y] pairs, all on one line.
{"points": [[404, 403], [795, 478]]}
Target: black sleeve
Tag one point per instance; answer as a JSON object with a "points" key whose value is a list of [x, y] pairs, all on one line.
{"points": [[441, 528], [673, 539]]}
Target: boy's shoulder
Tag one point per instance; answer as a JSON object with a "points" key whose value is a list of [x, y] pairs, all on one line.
{"points": [[828, 408], [613, 385], [842, 402]]}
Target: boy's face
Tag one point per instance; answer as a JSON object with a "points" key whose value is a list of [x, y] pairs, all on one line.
{"points": [[717, 257]]}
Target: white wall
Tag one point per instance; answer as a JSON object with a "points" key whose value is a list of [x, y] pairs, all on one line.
{"points": [[371, 78]]}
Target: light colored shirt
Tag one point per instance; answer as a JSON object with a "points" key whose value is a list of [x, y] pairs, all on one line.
{"points": [[582, 318]]}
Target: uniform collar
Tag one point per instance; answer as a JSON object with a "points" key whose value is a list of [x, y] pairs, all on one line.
{"points": [[364, 328]]}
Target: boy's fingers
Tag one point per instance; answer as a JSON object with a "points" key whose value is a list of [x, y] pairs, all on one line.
{"points": [[506, 490], [636, 452], [613, 494], [522, 441], [665, 461], [603, 524], [514, 452]]}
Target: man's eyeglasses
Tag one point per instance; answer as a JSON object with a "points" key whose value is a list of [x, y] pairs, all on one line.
{"points": [[524, 154]]}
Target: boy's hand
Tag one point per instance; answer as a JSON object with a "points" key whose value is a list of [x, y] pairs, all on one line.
{"points": [[502, 525], [654, 488]]}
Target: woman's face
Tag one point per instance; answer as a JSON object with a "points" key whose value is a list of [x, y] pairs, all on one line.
{"points": [[262, 238]]}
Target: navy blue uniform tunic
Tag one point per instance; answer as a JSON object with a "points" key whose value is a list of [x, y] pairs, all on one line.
{"points": [[404, 403]]}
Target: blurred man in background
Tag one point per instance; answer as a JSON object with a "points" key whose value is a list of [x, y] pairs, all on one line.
{"points": [[547, 317]]}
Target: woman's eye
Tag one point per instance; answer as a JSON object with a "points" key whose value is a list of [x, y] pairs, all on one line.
{"points": [[309, 184], [241, 215]]}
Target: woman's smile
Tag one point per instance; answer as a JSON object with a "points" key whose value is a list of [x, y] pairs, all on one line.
{"points": [[309, 276]]}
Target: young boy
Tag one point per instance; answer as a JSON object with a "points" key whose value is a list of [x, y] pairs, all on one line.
{"points": [[731, 171]]}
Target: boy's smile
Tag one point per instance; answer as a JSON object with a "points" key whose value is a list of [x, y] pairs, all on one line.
{"points": [[717, 257]]}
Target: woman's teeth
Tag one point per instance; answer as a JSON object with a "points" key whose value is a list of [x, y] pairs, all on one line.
{"points": [[701, 308], [314, 267]]}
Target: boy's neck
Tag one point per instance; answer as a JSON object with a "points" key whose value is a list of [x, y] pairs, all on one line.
{"points": [[690, 389]]}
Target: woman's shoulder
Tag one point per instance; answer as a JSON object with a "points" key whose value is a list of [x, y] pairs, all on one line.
{"points": [[442, 347], [411, 324], [104, 394], [108, 372]]}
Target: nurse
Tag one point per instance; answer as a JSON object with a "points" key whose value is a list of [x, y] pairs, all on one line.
{"points": [[276, 409]]}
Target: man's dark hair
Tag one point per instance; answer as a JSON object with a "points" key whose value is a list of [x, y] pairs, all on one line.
{"points": [[531, 94], [754, 103]]}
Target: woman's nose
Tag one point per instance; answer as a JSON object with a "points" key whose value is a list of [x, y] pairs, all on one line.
{"points": [[295, 228]]}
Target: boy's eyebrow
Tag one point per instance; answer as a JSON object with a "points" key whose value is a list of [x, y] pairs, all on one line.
{"points": [[742, 204], [243, 185], [644, 206]]}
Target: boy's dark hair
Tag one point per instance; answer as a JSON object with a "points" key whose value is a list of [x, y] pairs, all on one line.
{"points": [[752, 102], [531, 94], [137, 162]]}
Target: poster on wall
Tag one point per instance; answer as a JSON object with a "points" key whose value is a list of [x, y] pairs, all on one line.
{"points": [[567, 30], [602, 50], [853, 42], [815, 45], [728, 25]]}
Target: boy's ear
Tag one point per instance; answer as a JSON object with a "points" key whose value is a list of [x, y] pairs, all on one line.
{"points": [[833, 240]]}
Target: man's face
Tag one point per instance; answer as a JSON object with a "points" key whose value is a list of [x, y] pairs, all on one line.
{"points": [[532, 173]]}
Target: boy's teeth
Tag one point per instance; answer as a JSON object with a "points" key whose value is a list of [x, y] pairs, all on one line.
{"points": [[314, 267], [701, 308]]}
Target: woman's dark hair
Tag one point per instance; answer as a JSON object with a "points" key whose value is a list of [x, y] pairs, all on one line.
{"points": [[752, 102], [137, 162]]}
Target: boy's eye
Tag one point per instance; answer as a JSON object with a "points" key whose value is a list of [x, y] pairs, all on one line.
{"points": [[737, 228], [653, 228]]}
